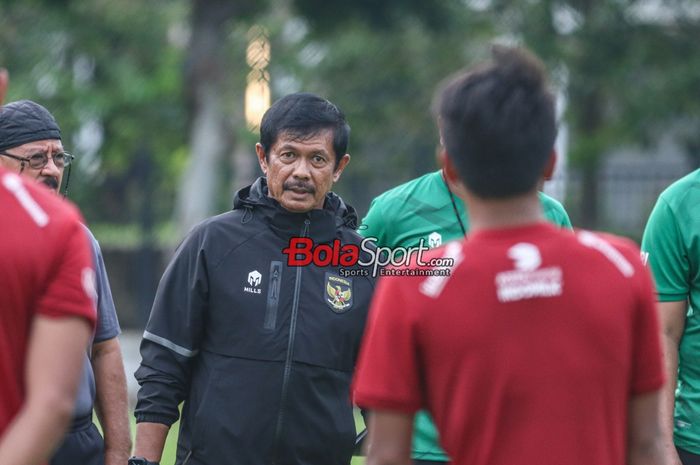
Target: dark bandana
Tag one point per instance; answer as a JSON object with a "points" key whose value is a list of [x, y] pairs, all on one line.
{"points": [[26, 121]]}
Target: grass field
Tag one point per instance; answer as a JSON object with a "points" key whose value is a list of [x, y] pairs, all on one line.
{"points": [[171, 443]]}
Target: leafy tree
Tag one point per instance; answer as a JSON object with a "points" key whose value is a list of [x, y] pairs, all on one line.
{"points": [[108, 72], [631, 73]]}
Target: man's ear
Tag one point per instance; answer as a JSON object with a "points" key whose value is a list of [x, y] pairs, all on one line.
{"points": [[447, 167], [341, 166], [262, 161], [4, 82], [454, 182], [549, 167]]}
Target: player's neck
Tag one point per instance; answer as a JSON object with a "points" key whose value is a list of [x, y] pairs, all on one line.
{"points": [[504, 213]]}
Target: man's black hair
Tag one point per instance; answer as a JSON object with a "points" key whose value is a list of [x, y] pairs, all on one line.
{"points": [[498, 123], [304, 115]]}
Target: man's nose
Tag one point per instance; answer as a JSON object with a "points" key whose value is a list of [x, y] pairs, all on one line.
{"points": [[50, 169], [302, 169]]}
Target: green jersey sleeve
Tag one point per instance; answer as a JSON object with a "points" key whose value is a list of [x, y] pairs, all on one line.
{"points": [[665, 252], [554, 211], [375, 223]]}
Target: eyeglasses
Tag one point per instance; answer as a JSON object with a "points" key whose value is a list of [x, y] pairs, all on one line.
{"points": [[38, 160]]}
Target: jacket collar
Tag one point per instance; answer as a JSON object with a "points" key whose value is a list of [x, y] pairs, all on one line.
{"points": [[321, 225]]}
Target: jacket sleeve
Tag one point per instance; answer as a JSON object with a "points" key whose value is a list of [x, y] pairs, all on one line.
{"points": [[173, 333]]}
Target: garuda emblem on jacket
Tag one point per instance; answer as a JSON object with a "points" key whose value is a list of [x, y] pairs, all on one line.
{"points": [[338, 293]]}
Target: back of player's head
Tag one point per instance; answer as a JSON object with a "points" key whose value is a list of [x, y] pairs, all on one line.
{"points": [[497, 123]]}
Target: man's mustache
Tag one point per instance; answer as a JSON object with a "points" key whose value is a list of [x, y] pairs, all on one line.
{"points": [[51, 183], [299, 186]]}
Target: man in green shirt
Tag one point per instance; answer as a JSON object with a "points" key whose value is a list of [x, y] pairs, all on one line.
{"points": [[671, 246], [425, 208]]}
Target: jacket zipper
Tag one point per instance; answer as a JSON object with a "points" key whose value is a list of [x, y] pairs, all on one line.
{"points": [[288, 359], [273, 296]]}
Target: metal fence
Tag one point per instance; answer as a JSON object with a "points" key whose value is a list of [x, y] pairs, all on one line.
{"points": [[626, 195]]}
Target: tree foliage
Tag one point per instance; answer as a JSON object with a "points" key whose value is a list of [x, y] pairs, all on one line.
{"points": [[110, 73], [125, 81]]}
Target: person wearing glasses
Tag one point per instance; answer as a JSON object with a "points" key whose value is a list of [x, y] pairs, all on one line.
{"points": [[30, 145]]}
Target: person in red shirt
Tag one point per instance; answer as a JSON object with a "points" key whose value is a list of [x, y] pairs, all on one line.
{"points": [[542, 346], [47, 315]]}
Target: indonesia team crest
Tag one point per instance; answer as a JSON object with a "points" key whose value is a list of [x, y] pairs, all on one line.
{"points": [[338, 293]]}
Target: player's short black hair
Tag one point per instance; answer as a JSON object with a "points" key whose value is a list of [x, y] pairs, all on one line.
{"points": [[498, 123], [304, 115]]}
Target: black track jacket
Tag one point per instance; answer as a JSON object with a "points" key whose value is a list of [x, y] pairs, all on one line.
{"points": [[261, 353]]}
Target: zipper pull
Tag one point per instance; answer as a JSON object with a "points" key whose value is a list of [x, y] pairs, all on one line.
{"points": [[275, 277]]}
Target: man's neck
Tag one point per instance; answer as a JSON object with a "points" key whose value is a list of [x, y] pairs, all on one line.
{"points": [[504, 213]]}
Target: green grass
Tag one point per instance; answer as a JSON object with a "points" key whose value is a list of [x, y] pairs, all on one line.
{"points": [[171, 442]]}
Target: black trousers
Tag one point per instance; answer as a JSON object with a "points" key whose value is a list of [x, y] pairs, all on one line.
{"points": [[688, 458], [83, 445]]}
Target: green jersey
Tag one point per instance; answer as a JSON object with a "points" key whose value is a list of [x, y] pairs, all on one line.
{"points": [[671, 244], [424, 208]]}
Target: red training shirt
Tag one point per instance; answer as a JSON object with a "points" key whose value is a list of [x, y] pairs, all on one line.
{"points": [[527, 354], [45, 269]]}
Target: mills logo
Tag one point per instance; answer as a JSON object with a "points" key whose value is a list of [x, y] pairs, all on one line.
{"points": [[254, 279]]}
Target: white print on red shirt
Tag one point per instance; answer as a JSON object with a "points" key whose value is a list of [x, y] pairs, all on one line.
{"points": [[14, 185], [528, 281], [611, 253], [433, 286]]}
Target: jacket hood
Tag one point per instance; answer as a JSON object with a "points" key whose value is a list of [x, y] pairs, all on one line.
{"points": [[336, 214]]}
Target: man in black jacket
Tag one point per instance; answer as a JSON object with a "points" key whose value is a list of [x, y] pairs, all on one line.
{"points": [[261, 352]]}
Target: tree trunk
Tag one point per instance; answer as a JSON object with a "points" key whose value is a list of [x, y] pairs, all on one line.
{"points": [[245, 166], [204, 78]]}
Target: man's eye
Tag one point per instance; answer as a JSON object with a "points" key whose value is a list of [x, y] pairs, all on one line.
{"points": [[59, 157], [319, 159], [37, 157], [287, 155]]}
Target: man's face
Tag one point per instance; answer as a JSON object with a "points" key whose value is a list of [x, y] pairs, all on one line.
{"points": [[301, 171], [50, 174]]}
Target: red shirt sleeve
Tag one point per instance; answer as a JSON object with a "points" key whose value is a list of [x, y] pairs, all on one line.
{"points": [[388, 373], [70, 288], [647, 363]]}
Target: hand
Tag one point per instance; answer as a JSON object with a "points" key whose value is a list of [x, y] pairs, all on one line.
{"points": [[4, 82]]}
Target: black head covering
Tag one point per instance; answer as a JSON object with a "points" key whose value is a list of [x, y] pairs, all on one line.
{"points": [[26, 121]]}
